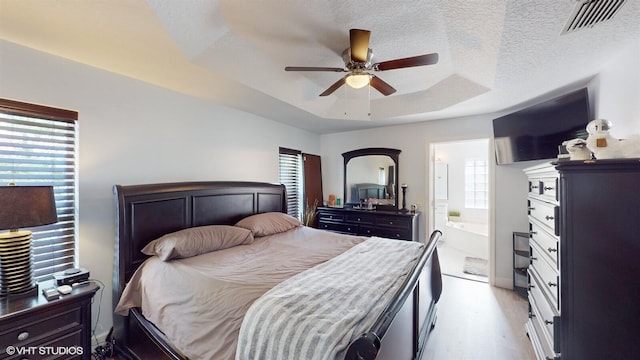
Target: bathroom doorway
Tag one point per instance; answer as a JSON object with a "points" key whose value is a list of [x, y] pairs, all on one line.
{"points": [[460, 206]]}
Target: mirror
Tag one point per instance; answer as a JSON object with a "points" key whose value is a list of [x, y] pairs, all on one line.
{"points": [[371, 174]]}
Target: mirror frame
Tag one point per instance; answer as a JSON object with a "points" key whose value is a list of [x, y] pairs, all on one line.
{"points": [[394, 154]]}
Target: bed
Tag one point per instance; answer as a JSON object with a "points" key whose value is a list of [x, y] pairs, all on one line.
{"points": [[399, 330]]}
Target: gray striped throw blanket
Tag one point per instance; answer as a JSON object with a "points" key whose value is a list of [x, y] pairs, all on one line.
{"points": [[317, 313]]}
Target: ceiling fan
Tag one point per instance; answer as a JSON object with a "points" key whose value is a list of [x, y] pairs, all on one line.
{"points": [[357, 60]]}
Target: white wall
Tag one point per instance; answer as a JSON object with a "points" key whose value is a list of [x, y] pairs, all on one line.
{"points": [[617, 90], [132, 132]]}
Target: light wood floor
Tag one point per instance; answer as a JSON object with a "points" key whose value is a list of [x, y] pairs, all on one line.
{"points": [[477, 321]]}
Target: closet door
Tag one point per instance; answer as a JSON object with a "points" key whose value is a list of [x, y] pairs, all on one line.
{"points": [[312, 180]]}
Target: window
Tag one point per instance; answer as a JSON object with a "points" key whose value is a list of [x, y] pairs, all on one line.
{"points": [[381, 177], [38, 147], [290, 173], [476, 184]]}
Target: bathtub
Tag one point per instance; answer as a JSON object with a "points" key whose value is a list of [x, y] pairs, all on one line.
{"points": [[470, 237]]}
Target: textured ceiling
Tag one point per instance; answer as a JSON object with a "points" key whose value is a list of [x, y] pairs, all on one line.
{"points": [[493, 54]]}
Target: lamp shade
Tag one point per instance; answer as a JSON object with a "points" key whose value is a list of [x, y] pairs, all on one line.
{"points": [[27, 206], [358, 81]]}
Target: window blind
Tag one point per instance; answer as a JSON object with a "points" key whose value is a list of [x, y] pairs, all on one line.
{"points": [[38, 147], [290, 172]]}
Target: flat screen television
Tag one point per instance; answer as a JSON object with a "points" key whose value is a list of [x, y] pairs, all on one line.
{"points": [[536, 132]]}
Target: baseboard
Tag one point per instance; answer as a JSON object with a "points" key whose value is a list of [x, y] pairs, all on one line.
{"points": [[506, 283], [98, 339]]}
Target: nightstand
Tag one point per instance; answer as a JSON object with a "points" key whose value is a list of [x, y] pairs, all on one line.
{"points": [[34, 328]]}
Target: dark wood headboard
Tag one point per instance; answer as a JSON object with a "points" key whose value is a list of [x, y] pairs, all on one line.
{"points": [[146, 212]]}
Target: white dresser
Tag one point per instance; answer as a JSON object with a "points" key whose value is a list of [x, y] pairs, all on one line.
{"points": [[544, 270]]}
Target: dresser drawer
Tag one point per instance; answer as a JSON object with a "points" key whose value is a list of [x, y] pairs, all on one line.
{"points": [[546, 214], [549, 244], [549, 188], [544, 340], [546, 315], [544, 188], [383, 223], [549, 280], [390, 233], [330, 216], [359, 218], [338, 227], [392, 221], [39, 325]]}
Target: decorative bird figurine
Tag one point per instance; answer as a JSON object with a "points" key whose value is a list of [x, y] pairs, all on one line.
{"points": [[600, 142]]}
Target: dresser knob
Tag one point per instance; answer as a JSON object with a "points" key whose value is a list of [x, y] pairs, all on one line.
{"points": [[552, 250], [548, 322], [551, 284], [531, 233], [548, 217], [548, 188], [23, 336]]}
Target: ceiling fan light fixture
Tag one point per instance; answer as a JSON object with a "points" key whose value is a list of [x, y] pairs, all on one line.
{"points": [[357, 81]]}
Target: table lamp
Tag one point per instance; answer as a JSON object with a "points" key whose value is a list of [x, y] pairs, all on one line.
{"points": [[20, 207]]}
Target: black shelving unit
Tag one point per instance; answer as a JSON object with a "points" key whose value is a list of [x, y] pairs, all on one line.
{"points": [[521, 262]]}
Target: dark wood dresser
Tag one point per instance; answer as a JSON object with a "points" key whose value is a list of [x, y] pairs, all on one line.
{"points": [[34, 328], [595, 307], [389, 224]]}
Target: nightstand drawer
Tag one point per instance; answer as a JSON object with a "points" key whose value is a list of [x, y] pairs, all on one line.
{"points": [[66, 346], [36, 326]]}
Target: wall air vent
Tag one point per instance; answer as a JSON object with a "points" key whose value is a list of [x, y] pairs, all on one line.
{"points": [[588, 13]]}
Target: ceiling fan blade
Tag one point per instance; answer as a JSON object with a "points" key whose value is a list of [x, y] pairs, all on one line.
{"points": [[334, 87], [359, 41], [420, 60], [313, 68], [380, 85]]}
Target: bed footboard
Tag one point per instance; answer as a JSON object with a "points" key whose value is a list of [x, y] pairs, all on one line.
{"points": [[368, 345]]}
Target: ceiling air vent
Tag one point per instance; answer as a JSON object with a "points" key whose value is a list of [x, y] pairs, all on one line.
{"points": [[588, 13]]}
